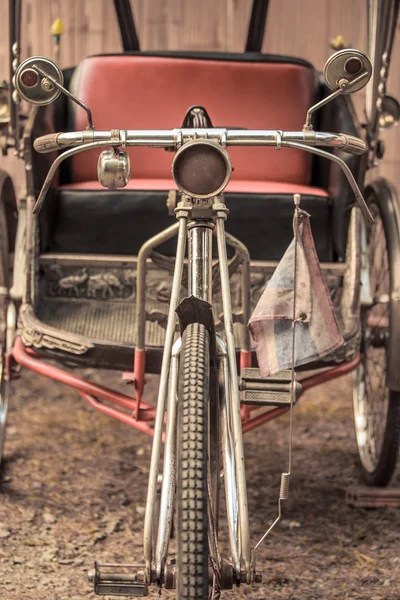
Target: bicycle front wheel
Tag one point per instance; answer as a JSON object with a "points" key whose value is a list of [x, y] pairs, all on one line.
{"points": [[192, 522]]}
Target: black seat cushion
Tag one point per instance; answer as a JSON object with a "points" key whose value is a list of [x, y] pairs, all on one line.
{"points": [[119, 222]]}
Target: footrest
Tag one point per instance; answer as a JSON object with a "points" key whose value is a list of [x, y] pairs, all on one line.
{"points": [[275, 390], [265, 398], [253, 374], [113, 583], [121, 588]]}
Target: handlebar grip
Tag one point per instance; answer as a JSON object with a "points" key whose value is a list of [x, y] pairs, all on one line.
{"points": [[353, 145], [47, 143]]}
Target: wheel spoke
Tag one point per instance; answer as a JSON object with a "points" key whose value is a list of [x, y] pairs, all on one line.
{"points": [[371, 396]]}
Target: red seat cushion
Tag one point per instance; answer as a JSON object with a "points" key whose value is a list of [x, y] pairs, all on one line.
{"points": [[154, 92]]}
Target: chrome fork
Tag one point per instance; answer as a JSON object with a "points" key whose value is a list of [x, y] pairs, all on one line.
{"points": [[182, 213], [199, 285], [244, 533], [228, 454], [169, 468]]}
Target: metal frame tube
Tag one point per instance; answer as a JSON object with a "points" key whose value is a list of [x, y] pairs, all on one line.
{"points": [[158, 425], [235, 399], [143, 255], [244, 257], [228, 454], [14, 28], [126, 23], [169, 469], [200, 260], [346, 170], [257, 23]]}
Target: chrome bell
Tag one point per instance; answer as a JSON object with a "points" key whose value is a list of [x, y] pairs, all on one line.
{"points": [[113, 169]]}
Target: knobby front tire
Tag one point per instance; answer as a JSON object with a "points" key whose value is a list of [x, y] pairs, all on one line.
{"points": [[192, 521]]}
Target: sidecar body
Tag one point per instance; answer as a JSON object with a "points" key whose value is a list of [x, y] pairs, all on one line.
{"points": [[86, 241]]}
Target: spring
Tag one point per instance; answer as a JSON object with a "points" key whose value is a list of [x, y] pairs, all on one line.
{"points": [[284, 490]]}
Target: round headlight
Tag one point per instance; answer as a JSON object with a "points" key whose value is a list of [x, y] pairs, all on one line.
{"points": [[201, 168]]}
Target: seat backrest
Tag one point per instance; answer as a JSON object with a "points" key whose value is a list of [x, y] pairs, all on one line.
{"points": [[144, 91]]}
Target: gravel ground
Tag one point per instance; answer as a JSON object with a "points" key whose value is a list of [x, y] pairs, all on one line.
{"points": [[73, 490]]}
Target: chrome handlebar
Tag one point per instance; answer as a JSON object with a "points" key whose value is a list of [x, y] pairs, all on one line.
{"points": [[176, 137], [80, 141]]}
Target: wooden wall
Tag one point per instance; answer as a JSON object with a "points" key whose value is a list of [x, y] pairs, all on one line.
{"points": [[296, 27]]}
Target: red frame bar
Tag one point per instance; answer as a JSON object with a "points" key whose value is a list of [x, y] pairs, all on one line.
{"points": [[91, 392], [142, 413]]}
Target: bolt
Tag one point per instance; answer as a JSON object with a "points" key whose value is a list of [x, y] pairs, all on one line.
{"points": [[343, 83], [396, 296], [91, 575], [47, 85], [257, 577]]}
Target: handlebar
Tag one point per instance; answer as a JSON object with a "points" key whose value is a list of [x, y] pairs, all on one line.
{"points": [[308, 141], [176, 137]]}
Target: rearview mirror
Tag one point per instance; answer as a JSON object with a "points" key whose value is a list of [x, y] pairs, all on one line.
{"points": [[38, 80], [348, 70], [345, 72]]}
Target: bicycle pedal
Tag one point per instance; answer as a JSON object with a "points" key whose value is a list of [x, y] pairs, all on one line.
{"points": [[114, 583], [275, 390]]}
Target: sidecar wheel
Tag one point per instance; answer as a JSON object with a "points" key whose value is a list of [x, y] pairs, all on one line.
{"points": [[192, 521], [4, 394], [376, 407], [8, 225]]}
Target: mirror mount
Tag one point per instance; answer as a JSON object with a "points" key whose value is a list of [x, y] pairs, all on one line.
{"points": [[49, 81], [345, 72], [40, 81]]}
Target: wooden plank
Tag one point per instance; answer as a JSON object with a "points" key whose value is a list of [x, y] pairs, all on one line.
{"points": [[5, 43], [204, 25], [112, 39], [298, 28], [237, 23], [94, 28], [348, 19]]}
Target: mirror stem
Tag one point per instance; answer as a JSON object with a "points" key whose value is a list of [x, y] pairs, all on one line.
{"points": [[345, 87], [43, 73], [307, 125]]}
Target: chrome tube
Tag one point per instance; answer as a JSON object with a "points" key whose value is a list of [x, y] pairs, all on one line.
{"points": [[244, 257], [228, 454], [162, 393], [144, 253], [200, 260], [235, 399], [54, 167], [346, 170], [169, 469], [176, 137]]}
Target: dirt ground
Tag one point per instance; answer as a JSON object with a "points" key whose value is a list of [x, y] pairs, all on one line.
{"points": [[74, 484]]}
